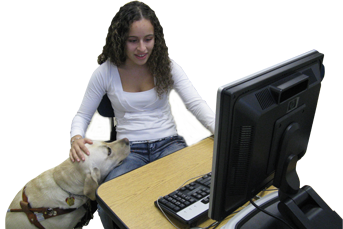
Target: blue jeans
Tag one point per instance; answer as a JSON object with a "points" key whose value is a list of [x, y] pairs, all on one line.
{"points": [[142, 153]]}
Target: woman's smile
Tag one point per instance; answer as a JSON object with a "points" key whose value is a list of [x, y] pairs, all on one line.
{"points": [[141, 56]]}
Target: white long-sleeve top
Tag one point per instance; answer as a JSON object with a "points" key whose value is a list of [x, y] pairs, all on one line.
{"points": [[140, 115]]}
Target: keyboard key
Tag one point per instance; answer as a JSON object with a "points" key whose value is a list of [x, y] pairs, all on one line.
{"points": [[170, 205], [192, 200], [203, 194], [206, 200], [163, 201]]}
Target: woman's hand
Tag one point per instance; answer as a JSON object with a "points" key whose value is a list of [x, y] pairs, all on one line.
{"points": [[78, 148]]}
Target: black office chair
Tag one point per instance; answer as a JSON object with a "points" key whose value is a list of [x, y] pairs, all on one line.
{"points": [[105, 109]]}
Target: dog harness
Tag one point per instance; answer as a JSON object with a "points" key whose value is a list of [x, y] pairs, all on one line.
{"points": [[35, 215]]}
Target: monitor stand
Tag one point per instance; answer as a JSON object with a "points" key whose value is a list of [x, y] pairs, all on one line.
{"points": [[252, 218]]}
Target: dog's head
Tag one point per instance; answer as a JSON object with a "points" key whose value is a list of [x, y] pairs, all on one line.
{"points": [[102, 159]]}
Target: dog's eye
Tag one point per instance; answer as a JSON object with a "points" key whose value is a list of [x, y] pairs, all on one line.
{"points": [[109, 151]]}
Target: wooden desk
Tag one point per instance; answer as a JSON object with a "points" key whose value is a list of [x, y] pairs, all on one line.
{"points": [[129, 199]]}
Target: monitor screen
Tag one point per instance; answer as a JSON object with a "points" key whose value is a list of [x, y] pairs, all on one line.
{"points": [[259, 120]]}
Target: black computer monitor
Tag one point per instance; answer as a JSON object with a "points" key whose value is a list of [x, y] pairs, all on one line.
{"points": [[262, 131], [263, 125]]}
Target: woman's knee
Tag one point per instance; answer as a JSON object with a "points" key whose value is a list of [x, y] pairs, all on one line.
{"points": [[130, 163]]}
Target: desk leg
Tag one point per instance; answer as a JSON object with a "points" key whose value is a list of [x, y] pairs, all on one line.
{"points": [[115, 225]]}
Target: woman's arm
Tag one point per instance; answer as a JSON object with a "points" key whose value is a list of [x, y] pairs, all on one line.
{"points": [[191, 98], [95, 91]]}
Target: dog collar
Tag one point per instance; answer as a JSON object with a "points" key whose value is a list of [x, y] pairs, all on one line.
{"points": [[71, 199]]}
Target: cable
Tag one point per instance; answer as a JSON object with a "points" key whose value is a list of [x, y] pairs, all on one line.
{"points": [[271, 189], [189, 180], [211, 225], [266, 212], [165, 213], [214, 225]]}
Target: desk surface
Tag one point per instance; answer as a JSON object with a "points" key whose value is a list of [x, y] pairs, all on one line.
{"points": [[129, 199]]}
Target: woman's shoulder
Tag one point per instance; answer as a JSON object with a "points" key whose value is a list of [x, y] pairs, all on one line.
{"points": [[173, 64], [104, 75], [106, 67], [176, 70], [105, 70]]}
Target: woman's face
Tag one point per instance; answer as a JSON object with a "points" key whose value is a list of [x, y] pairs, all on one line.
{"points": [[140, 42]]}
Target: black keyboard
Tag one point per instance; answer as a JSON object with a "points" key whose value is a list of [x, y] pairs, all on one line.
{"points": [[190, 203]]}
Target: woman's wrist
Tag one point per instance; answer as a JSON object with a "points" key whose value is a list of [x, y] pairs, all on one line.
{"points": [[76, 137]]}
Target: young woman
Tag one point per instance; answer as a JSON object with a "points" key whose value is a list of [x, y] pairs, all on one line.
{"points": [[137, 75]]}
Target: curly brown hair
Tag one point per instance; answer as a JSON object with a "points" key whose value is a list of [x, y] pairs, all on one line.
{"points": [[114, 49]]}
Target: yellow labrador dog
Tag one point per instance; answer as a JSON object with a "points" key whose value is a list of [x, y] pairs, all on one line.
{"points": [[55, 198]]}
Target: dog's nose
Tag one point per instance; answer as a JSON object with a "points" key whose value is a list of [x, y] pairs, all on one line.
{"points": [[126, 141]]}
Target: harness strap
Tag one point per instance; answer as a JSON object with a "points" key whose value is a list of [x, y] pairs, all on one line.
{"points": [[41, 213], [24, 204], [30, 214]]}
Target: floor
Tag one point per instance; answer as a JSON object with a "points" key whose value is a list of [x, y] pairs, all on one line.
{"points": [[99, 128]]}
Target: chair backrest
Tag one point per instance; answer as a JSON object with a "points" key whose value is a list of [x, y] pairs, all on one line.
{"points": [[105, 109]]}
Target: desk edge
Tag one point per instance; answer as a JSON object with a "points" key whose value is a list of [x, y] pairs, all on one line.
{"points": [[109, 211]]}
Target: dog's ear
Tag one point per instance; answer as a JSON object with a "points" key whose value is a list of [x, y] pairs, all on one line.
{"points": [[91, 183]]}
